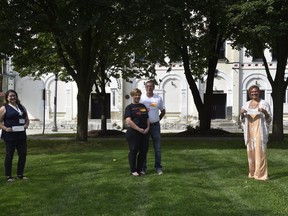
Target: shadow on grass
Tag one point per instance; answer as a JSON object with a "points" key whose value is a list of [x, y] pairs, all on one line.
{"points": [[192, 139], [278, 175]]}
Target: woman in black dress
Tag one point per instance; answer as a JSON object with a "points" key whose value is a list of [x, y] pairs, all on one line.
{"points": [[14, 121]]}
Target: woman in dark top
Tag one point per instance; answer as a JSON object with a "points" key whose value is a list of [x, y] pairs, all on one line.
{"points": [[136, 117], [14, 121]]}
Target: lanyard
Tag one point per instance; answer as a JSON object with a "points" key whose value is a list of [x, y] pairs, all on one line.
{"points": [[17, 109]]}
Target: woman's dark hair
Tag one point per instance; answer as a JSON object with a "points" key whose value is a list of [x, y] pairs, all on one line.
{"points": [[6, 96]]}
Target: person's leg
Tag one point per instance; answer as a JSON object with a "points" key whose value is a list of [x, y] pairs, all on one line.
{"points": [[131, 136], [9, 153], [22, 153], [143, 149], [156, 138], [144, 169], [261, 170], [251, 159]]}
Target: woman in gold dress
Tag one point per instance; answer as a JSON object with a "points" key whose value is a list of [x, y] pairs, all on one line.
{"points": [[256, 117]]}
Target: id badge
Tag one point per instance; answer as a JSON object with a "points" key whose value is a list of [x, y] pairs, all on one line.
{"points": [[21, 121]]}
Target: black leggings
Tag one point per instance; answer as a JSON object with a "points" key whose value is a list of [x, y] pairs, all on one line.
{"points": [[138, 146], [10, 146]]}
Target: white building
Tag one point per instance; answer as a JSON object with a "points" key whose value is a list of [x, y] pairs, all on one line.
{"points": [[235, 73]]}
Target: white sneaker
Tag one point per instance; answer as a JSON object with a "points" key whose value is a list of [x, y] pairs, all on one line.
{"points": [[142, 172], [159, 171], [10, 179], [22, 177], [135, 174]]}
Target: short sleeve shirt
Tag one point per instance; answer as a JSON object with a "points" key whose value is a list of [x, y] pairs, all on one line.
{"points": [[154, 105], [138, 113]]}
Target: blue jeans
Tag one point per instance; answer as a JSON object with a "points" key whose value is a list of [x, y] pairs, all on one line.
{"points": [[156, 138]]}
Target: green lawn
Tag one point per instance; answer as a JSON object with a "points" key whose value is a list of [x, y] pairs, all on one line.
{"points": [[202, 176]]}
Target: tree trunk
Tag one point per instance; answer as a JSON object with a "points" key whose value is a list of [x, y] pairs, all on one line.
{"points": [[279, 86], [191, 81], [214, 48], [278, 93], [204, 108], [103, 112], [277, 127], [205, 117], [82, 117]]}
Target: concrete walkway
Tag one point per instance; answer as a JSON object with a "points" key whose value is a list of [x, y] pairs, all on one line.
{"points": [[49, 131]]}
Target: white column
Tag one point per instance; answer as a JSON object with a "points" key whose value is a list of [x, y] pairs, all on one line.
{"points": [[47, 105], [184, 104], [68, 115]]}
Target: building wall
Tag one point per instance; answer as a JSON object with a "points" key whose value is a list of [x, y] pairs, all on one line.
{"points": [[234, 76]]}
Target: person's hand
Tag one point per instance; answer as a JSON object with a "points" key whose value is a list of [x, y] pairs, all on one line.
{"points": [[141, 130], [146, 130], [243, 113], [9, 129], [264, 112]]}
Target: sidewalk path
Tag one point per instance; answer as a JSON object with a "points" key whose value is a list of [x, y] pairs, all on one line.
{"points": [[61, 131], [48, 131]]}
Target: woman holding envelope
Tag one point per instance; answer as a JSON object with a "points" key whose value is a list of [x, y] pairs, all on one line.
{"points": [[14, 121], [256, 117]]}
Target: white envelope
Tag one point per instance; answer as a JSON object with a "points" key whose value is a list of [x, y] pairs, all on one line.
{"points": [[252, 112], [18, 128]]}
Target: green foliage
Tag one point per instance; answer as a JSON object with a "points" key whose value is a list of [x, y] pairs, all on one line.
{"points": [[86, 41], [188, 31], [166, 27], [65, 37], [258, 23]]}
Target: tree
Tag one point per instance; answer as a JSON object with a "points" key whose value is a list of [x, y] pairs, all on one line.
{"points": [[115, 62], [70, 38], [259, 25], [2, 69], [188, 31]]}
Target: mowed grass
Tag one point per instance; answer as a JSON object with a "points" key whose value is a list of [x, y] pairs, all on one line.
{"points": [[202, 176]]}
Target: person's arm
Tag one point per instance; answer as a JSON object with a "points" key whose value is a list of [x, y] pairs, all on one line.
{"points": [[265, 109], [27, 120], [148, 127], [243, 114], [243, 111], [266, 114], [133, 125], [2, 126], [162, 113]]}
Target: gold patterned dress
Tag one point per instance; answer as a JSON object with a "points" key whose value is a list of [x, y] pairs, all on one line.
{"points": [[256, 149]]}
